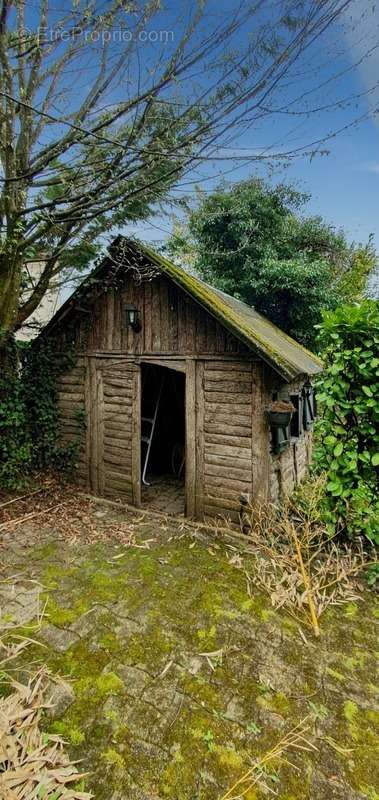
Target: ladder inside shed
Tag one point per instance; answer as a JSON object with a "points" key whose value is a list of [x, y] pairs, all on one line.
{"points": [[150, 422]]}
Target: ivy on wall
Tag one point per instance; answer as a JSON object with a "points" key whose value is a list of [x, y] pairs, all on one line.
{"points": [[43, 363], [29, 417], [29, 411], [15, 442]]}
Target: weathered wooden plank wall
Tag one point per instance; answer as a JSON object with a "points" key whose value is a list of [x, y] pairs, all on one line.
{"points": [[224, 436], [260, 432], [171, 323], [72, 416], [227, 390]]}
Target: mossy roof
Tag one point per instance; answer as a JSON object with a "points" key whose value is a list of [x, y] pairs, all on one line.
{"points": [[286, 356]]}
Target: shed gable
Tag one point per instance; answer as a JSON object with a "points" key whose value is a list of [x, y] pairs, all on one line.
{"points": [[172, 322], [258, 335]]}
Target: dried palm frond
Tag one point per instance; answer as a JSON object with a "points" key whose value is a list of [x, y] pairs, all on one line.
{"points": [[33, 764]]}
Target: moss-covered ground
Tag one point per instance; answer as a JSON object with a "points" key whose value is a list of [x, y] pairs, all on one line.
{"points": [[181, 678]]}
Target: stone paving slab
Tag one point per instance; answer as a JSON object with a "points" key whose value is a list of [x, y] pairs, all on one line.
{"points": [[176, 680], [18, 604]]}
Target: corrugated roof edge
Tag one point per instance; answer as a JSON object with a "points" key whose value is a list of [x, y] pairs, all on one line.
{"points": [[209, 299]]}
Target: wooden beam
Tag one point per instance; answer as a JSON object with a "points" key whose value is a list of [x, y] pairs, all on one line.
{"points": [[176, 364], [199, 441], [122, 354], [94, 453], [191, 438], [260, 435], [87, 406], [136, 438], [100, 431]]}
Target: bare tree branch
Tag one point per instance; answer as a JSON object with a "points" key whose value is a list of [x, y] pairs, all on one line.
{"points": [[99, 123]]}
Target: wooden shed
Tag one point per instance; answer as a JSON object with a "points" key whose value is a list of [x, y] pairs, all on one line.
{"points": [[173, 379]]}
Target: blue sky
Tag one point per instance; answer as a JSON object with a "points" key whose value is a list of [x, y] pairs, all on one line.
{"points": [[344, 184], [343, 65]]}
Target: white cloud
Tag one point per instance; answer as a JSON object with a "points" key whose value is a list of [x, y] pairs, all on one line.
{"points": [[370, 166]]}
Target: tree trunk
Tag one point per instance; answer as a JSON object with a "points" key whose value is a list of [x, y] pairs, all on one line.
{"points": [[10, 282], [8, 359]]}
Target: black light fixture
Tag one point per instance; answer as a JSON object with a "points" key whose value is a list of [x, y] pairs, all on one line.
{"points": [[133, 318], [307, 386], [309, 406]]}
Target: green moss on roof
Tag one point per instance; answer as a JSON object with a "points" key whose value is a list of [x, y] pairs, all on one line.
{"points": [[283, 353], [286, 356]]}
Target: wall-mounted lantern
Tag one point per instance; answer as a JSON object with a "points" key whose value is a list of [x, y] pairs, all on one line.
{"points": [[309, 405], [133, 318]]}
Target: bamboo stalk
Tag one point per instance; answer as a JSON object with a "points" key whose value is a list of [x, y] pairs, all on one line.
{"points": [[254, 774], [307, 582]]}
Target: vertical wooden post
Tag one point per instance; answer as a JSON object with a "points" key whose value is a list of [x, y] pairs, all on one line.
{"points": [[191, 438], [110, 304], [260, 435], [93, 444], [199, 441], [87, 406], [100, 431], [136, 438]]}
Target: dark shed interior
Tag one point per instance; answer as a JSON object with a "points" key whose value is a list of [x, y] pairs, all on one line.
{"points": [[163, 437]]}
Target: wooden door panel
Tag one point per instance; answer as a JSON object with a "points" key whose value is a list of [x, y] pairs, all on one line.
{"points": [[118, 430]]}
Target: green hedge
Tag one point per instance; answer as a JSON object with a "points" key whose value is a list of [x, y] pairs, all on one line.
{"points": [[348, 445]]}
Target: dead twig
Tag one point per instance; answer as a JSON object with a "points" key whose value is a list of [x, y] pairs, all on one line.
{"points": [[307, 582], [19, 520], [295, 739], [23, 496]]}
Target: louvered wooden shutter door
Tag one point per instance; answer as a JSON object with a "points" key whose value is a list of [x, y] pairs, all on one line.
{"points": [[118, 430]]}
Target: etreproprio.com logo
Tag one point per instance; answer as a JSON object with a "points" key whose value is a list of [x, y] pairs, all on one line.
{"points": [[104, 36]]}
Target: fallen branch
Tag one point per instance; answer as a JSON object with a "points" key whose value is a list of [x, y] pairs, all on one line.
{"points": [[185, 523], [23, 496], [19, 520]]}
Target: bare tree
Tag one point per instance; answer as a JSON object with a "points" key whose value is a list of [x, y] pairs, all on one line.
{"points": [[104, 105]]}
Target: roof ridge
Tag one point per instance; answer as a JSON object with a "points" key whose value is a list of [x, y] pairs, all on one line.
{"points": [[283, 354], [279, 362]]}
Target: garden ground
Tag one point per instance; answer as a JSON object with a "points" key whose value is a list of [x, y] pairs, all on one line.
{"points": [[179, 675]]}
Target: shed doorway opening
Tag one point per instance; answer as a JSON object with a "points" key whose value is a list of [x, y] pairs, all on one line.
{"points": [[162, 439]]}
